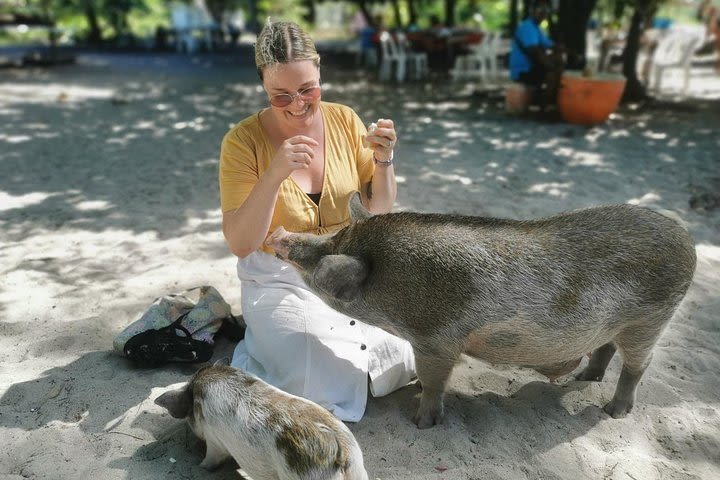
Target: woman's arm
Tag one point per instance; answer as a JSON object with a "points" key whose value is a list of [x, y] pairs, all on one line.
{"points": [[246, 227], [379, 195]]}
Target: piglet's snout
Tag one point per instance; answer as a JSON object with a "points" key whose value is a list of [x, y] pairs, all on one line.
{"points": [[279, 241]]}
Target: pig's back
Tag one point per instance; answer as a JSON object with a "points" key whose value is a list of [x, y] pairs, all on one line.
{"points": [[603, 259]]}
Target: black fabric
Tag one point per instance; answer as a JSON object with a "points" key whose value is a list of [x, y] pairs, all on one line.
{"points": [[156, 347], [233, 328], [315, 197], [535, 77]]}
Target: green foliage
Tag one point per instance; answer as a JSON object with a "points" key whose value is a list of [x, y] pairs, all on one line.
{"points": [[142, 17], [155, 13], [286, 10], [496, 14]]}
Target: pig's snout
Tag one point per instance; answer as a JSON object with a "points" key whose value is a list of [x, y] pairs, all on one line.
{"points": [[279, 241]]}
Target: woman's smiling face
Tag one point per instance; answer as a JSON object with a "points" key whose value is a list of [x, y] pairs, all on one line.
{"points": [[292, 79]]}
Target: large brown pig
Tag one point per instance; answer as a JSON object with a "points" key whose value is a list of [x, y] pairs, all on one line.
{"points": [[536, 293]]}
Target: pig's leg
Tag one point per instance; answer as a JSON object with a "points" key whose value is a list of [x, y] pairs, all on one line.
{"points": [[635, 346], [595, 371], [215, 455], [433, 370]]}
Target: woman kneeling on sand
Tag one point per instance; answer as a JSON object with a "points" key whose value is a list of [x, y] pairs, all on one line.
{"points": [[295, 164]]}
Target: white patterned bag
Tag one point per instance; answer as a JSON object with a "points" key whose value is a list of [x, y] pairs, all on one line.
{"points": [[176, 328]]}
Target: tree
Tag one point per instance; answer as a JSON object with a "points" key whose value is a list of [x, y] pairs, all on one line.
{"points": [[571, 29], [643, 12], [449, 13]]}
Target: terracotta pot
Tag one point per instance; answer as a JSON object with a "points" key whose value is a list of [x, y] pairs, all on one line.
{"points": [[517, 98], [589, 100]]}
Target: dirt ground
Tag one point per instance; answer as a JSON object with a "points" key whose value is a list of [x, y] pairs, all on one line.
{"points": [[109, 199]]}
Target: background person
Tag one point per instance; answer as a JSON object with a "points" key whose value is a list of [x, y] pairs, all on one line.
{"points": [[534, 59]]}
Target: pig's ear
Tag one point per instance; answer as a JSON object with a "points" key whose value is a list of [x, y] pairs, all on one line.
{"points": [[340, 276], [177, 402], [357, 209], [224, 361]]}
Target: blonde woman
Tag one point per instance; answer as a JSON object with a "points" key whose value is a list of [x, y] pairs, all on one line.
{"points": [[296, 164]]}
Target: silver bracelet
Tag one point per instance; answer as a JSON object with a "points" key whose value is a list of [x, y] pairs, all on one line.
{"points": [[381, 163]]}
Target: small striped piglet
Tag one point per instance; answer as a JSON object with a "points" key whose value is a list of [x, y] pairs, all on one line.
{"points": [[271, 434]]}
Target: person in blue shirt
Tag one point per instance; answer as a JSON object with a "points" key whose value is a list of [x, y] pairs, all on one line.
{"points": [[534, 59]]}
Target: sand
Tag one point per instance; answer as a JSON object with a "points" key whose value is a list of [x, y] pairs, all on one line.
{"points": [[109, 199]]}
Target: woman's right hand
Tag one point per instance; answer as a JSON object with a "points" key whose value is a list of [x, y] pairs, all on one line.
{"points": [[295, 153]]}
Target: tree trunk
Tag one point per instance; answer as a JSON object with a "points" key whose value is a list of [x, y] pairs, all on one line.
{"points": [[571, 30], [362, 5], [412, 12], [634, 90], [449, 13], [396, 11], [95, 35], [309, 11], [514, 20], [253, 25]]}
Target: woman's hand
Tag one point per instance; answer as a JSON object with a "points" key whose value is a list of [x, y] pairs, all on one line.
{"points": [[295, 153], [382, 140]]}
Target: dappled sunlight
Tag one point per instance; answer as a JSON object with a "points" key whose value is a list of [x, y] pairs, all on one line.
{"points": [[649, 198], [552, 143], [654, 135], [88, 205], [196, 124], [708, 252], [436, 106], [666, 157], [124, 140], [554, 189], [445, 177], [619, 134], [10, 202], [583, 159], [500, 144], [19, 93], [436, 154], [15, 138]]}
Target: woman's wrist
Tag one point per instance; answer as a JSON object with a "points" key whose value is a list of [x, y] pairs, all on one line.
{"points": [[383, 163]]}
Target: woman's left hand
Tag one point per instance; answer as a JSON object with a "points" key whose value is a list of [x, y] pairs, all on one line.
{"points": [[382, 140]]}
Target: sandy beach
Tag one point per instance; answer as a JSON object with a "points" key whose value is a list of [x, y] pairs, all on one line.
{"points": [[109, 199]]}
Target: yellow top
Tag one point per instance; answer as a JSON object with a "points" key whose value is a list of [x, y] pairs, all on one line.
{"points": [[246, 154]]}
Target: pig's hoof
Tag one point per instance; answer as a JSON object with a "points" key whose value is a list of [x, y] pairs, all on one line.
{"points": [[427, 420], [210, 466], [213, 463], [618, 408], [588, 375]]}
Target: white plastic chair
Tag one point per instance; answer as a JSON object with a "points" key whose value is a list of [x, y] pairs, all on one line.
{"points": [[481, 62], [186, 20], [592, 50], [491, 51], [417, 62], [470, 65], [391, 56], [674, 51]]}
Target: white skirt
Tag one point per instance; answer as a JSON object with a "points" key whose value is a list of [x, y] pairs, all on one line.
{"points": [[297, 343]]}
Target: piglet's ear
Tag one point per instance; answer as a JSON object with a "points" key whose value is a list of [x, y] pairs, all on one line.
{"points": [[357, 209], [340, 276], [177, 402]]}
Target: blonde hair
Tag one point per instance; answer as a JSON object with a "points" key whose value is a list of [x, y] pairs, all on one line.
{"points": [[283, 42]]}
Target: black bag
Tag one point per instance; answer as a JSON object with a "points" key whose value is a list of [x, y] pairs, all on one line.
{"points": [[155, 347]]}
